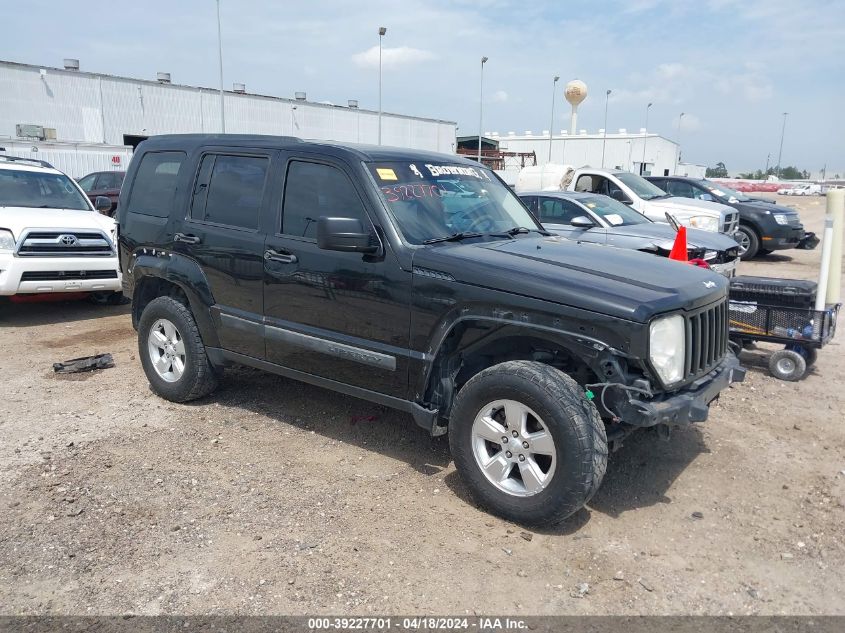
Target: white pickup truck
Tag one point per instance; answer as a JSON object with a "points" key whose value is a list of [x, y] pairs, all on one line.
{"points": [[633, 190], [52, 240]]}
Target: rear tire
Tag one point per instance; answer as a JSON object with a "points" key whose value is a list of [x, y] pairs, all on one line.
{"points": [[787, 364], [554, 428], [172, 352], [810, 354], [749, 243]]}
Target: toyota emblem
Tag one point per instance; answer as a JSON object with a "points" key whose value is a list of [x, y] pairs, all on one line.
{"points": [[68, 240]]}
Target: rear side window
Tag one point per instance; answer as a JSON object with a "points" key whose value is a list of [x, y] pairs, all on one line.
{"points": [[680, 188], [229, 190], [87, 183], [155, 183], [556, 211], [312, 191], [109, 180]]}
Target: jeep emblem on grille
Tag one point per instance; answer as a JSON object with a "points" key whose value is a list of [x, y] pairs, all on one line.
{"points": [[68, 240]]}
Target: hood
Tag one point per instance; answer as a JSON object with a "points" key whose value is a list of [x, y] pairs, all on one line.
{"points": [[657, 232], [18, 219], [625, 284], [766, 207], [691, 206]]}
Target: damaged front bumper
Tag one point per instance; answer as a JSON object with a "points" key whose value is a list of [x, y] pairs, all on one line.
{"points": [[686, 406], [808, 242]]}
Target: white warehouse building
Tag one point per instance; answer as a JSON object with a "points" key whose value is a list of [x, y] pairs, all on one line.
{"points": [[82, 122], [622, 150]]}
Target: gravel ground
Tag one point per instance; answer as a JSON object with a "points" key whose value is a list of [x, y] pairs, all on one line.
{"points": [[272, 497]]}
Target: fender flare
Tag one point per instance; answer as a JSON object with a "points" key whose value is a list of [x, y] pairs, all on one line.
{"points": [[184, 273], [587, 348]]}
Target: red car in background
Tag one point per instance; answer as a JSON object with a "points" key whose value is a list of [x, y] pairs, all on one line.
{"points": [[103, 183]]}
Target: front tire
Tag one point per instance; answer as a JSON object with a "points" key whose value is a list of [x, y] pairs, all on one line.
{"points": [[527, 442], [749, 243], [172, 352]]}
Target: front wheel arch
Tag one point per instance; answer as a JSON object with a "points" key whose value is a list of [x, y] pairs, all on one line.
{"points": [[753, 243]]}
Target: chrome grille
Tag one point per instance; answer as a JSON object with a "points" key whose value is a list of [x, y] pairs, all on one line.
{"points": [[68, 243], [731, 223], [706, 339]]}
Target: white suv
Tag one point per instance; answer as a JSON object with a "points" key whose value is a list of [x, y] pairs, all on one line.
{"points": [[52, 239]]}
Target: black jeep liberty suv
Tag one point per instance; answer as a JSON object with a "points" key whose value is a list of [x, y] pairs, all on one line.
{"points": [[419, 281]]}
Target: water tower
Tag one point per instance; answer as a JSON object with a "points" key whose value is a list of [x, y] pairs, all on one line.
{"points": [[576, 92]]}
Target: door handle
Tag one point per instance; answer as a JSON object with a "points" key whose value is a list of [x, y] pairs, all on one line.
{"points": [[187, 239], [283, 258]]}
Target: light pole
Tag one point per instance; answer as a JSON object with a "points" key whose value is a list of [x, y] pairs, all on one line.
{"points": [[220, 57], [678, 153], [382, 30], [552, 124], [645, 138], [481, 106], [780, 151], [604, 140]]}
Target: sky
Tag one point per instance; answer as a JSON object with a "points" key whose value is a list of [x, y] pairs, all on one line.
{"points": [[732, 67]]}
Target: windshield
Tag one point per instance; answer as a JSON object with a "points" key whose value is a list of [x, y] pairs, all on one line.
{"points": [[435, 201], [613, 212], [40, 190], [640, 186], [724, 193]]}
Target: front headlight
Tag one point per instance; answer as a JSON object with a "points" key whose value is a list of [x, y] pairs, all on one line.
{"points": [[708, 255], [666, 348], [7, 241], [704, 222], [780, 218]]}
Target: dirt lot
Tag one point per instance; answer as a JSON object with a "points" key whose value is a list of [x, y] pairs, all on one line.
{"points": [[276, 497]]}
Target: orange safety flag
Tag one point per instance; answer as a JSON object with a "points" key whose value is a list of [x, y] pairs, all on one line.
{"points": [[679, 248]]}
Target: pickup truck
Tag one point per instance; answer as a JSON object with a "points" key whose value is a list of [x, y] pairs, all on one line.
{"points": [[633, 190], [419, 281]]}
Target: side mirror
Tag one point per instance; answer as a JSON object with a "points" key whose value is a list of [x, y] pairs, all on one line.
{"points": [[619, 195], [343, 234], [705, 196], [582, 222], [673, 222], [102, 204]]}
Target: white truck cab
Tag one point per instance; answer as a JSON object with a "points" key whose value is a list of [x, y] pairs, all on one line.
{"points": [[633, 190], [52, 240]]}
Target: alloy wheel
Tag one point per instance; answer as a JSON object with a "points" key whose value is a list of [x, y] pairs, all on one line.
{"points": [[513, 448], [167, 350]]}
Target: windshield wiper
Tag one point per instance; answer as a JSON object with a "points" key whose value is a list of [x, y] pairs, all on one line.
{"points": [[521, 229], [454, 237]]}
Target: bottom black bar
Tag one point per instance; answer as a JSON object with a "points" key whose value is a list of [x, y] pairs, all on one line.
{"points": [[387, 623]]}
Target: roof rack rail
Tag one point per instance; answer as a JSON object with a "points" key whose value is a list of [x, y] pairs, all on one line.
{"points": [[15, 159]]}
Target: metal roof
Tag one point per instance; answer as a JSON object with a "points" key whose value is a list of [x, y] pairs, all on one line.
{"points": [[154, 82]]}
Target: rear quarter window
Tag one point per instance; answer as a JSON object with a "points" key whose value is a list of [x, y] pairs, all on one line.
{"points": [[155, 183]]}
